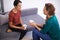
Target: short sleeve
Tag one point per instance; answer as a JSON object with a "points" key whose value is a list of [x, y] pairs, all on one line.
{"points": [[10, 17]]}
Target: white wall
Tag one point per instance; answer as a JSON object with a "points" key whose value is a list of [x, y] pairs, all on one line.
{"points": [[29, 3], [8, 5]]}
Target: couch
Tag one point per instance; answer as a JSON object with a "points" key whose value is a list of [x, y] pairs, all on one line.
{"points": [[27, 14]]}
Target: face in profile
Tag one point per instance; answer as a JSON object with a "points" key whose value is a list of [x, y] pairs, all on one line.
{"points": [[45, 11], [19, 6]]}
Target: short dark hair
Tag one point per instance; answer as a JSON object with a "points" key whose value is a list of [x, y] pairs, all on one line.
{"points": [[50, 8], [16, 2]]}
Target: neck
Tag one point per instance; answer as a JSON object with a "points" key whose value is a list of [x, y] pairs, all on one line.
{"points": [[48, 16], [15, 10]]}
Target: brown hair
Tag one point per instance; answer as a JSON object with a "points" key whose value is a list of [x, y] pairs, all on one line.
{"points": [[16, 2], [50, 8]]}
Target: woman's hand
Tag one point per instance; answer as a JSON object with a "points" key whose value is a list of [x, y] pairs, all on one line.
{"points": [[32, 23], [22, 28]]}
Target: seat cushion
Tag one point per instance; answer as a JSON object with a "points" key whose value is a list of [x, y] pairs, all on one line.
{"points": [[3, 19], [10, 36]]}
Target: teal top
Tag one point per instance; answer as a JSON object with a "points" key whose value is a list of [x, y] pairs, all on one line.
{"points": [[51, 28]]}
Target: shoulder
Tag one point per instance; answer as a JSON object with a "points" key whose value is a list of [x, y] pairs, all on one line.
{"points": [[11, 13], [53, 21]]}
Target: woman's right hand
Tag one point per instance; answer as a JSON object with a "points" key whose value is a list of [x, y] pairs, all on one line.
{"points": [[32, 24], [22, 28]]}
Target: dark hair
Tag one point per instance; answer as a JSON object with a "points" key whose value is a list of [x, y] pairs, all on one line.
{"points": [[16, 2], [50, 8]]}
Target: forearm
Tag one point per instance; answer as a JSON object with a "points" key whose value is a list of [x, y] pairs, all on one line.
{"points": [[38, 28], [21, 21], [40, 25], [16, 27]]}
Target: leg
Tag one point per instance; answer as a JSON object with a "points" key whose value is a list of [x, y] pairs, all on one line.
{"points": [[9, 30], [23, 32], [37, 35]]}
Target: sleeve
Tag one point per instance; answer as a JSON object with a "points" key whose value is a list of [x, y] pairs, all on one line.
{"points": [[10, 17], [46, 28]]}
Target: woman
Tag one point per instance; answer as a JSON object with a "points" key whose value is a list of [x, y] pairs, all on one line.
{"points": [[49, 30], [15, 21]]}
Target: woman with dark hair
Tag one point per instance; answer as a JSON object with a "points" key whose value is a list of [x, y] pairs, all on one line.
{"points": [[15, 21], [50, 30]]}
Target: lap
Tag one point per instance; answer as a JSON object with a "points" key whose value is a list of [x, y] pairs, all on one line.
{"points": [[17, 30], [41, 35]]}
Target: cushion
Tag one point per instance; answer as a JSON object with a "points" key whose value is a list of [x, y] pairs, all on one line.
{"points": [[29, 11], [3, 19]]}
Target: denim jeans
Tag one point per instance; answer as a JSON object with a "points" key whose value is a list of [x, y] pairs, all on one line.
{"points": [[37, 35]]}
